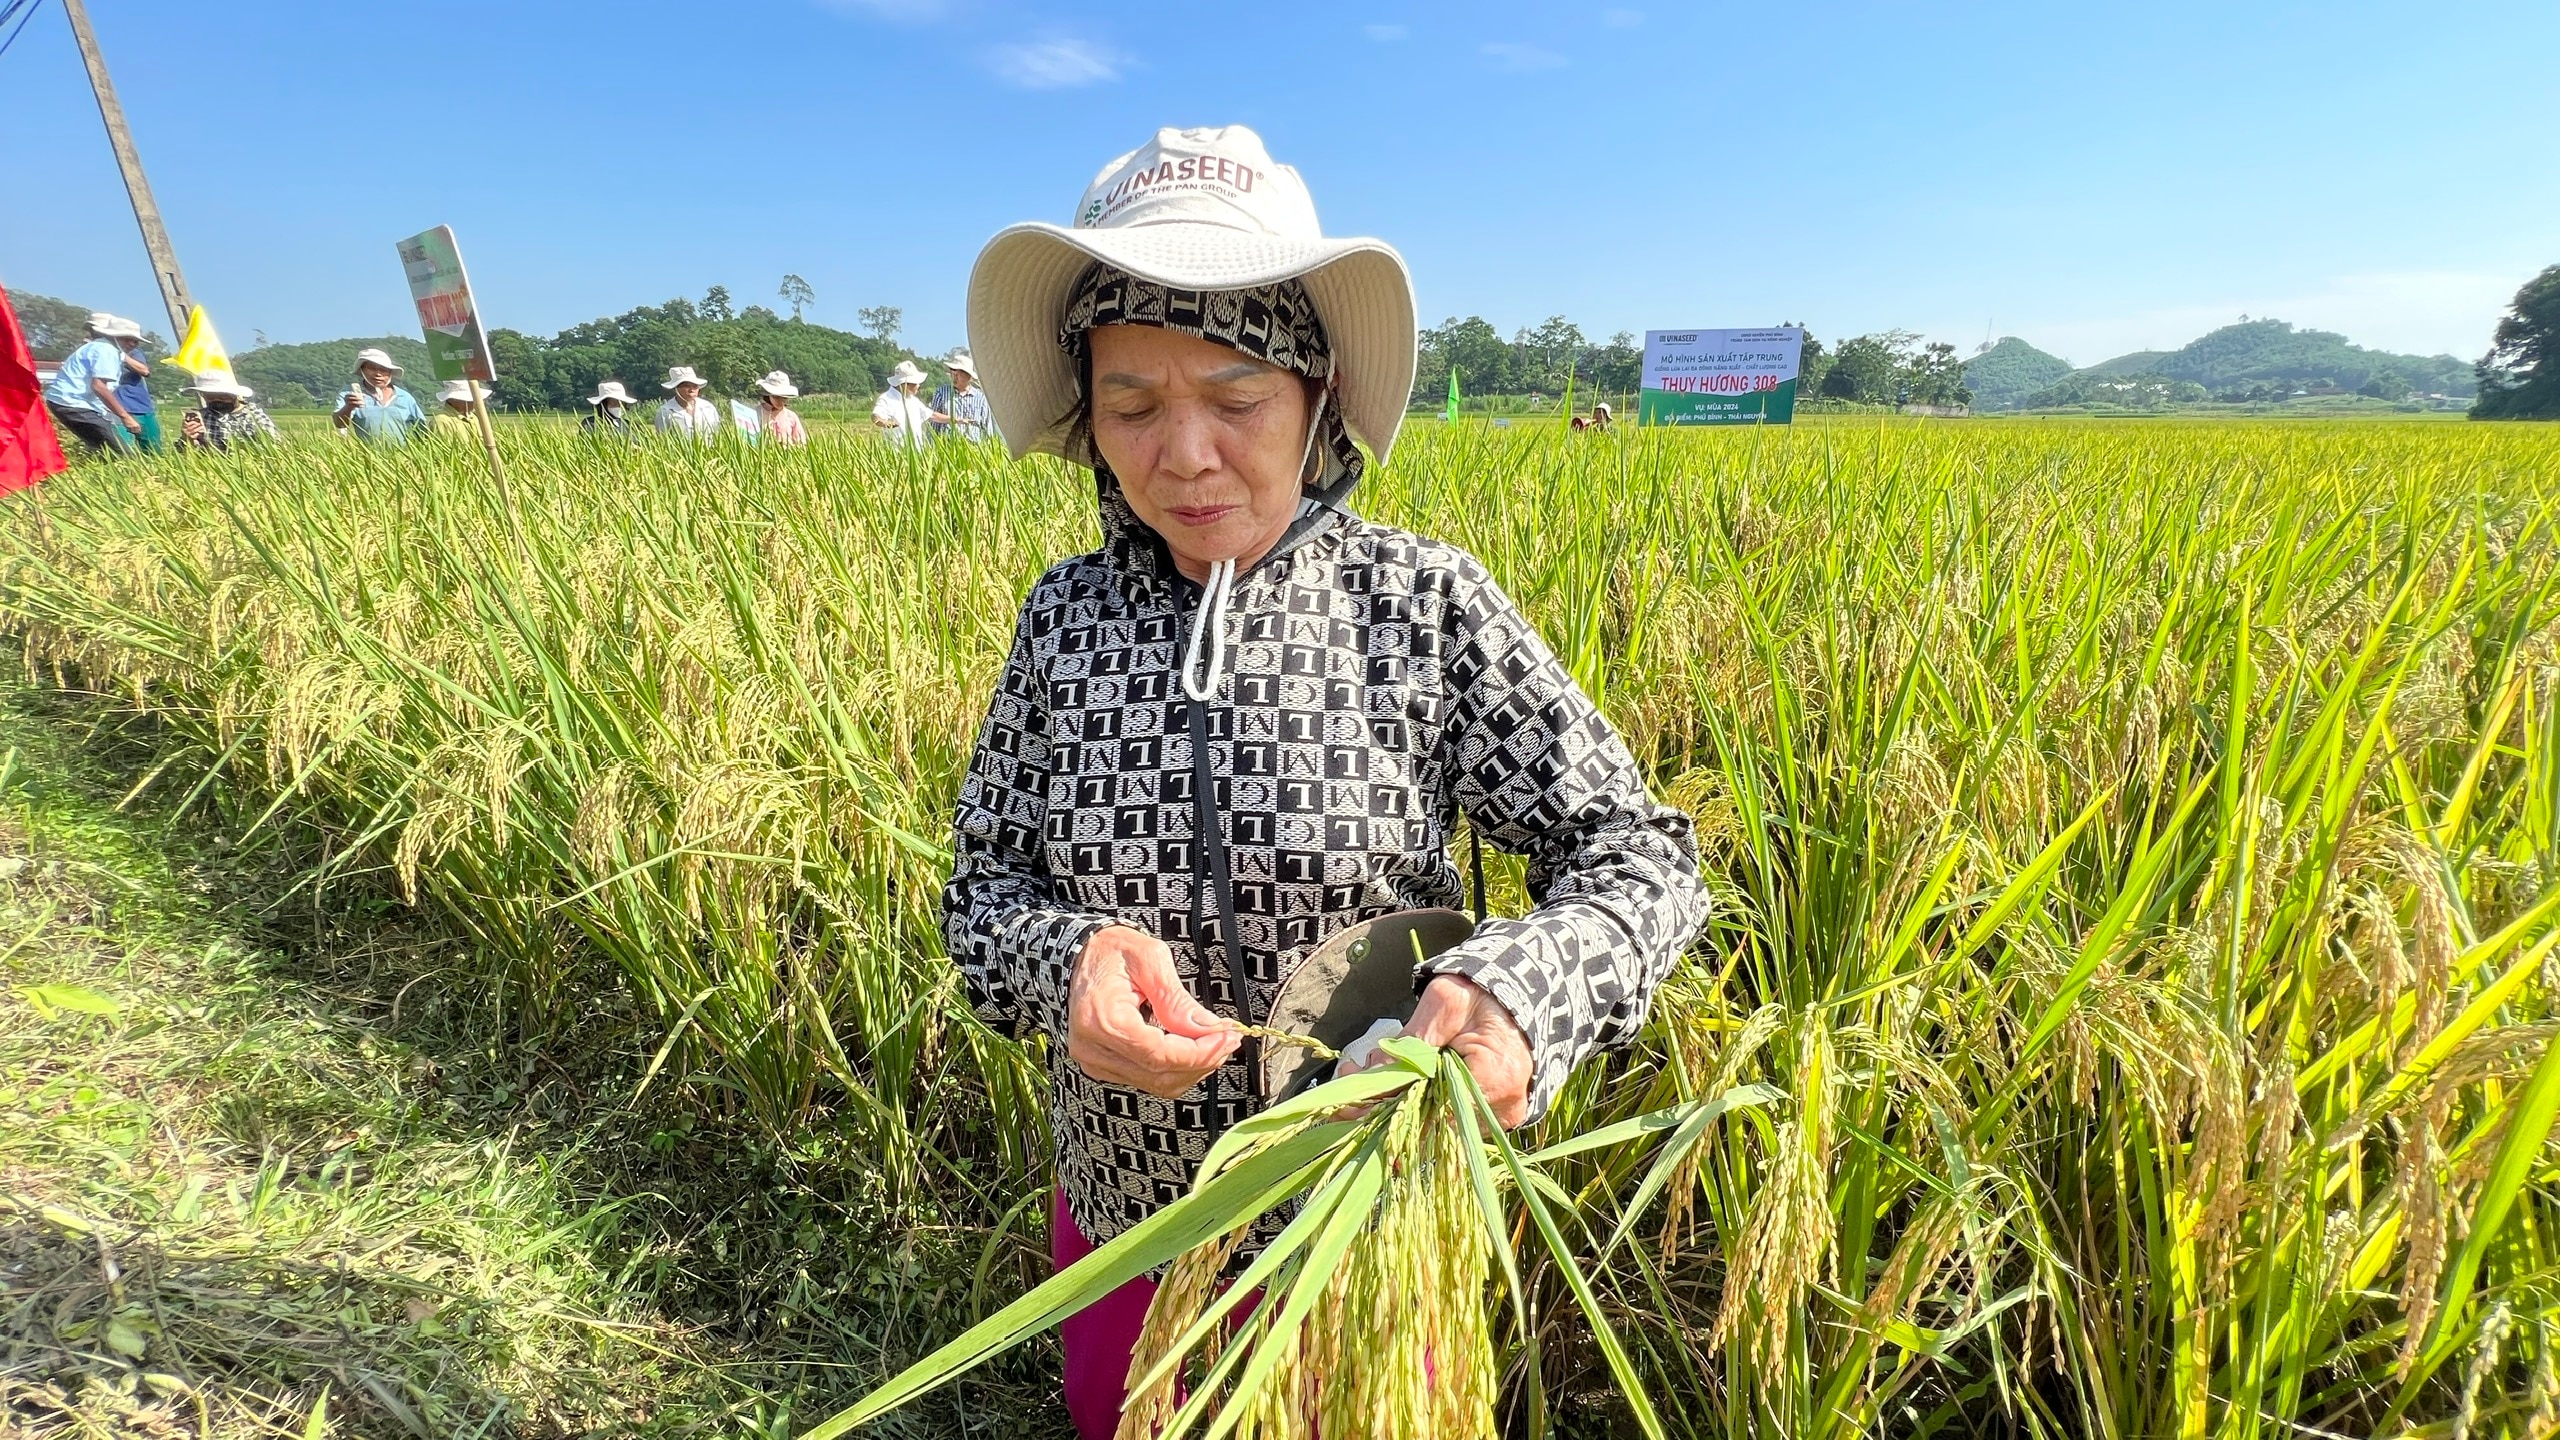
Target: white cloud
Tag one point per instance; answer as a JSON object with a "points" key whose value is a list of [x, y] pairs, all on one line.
{"points": [[1622, 19], [1518, 58], [1057, 64], [2419, 312], [1385, 33]]}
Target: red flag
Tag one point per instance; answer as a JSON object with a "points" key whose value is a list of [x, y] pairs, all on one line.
{"points": [[29, 450]]}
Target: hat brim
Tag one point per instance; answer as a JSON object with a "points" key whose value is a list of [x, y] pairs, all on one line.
{"points": [[242, 392], [1024, 278], [671, 384], [785, 392]]}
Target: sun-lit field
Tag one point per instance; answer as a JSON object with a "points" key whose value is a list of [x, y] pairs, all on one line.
{"points": [[2136, 849]]}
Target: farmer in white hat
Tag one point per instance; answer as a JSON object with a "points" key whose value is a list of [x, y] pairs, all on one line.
{"points": [[82, 392], [960, 407], [610, 414], [1315, 697], [455, 404], [901, 414], [229, 416], [780, 423], [376, 408], [684, 411]]}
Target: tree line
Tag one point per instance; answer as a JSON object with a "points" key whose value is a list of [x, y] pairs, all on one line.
{"points": [[1891, 367], [728, 345]]}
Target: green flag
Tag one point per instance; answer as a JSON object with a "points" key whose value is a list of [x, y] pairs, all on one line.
{"points": [[1452, 416]]}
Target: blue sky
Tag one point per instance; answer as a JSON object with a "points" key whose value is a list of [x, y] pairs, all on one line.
{"points": [[2096, 179]]}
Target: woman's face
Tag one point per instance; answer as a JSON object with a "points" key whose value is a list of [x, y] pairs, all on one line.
{"points": [[1207, 441]]}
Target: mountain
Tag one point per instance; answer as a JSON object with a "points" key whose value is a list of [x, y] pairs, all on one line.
{"points": [[2273, 356], [2011, 371], [2254, 360], [314, 374], [2140, 362]]}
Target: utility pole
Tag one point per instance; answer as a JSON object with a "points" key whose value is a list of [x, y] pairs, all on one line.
{"points": [[146, 211]]}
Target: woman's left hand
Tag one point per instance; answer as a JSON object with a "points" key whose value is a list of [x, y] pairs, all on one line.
{"points": [[1460, 1016]]}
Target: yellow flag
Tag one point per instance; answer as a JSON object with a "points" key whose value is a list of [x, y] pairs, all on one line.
{"points": [[202, 351]]}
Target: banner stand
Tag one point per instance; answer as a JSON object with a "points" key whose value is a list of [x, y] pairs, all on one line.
{"points": [[489, 442]]}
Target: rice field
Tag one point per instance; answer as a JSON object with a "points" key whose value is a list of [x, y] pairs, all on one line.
{"points": [[2136, 851]]}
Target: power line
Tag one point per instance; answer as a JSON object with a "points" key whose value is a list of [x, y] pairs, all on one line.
{"points": [[23, 11]]}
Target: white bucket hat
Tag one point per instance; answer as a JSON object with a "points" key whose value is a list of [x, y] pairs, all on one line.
{"points": [[371, 356], [115, 327], [1199, 209], [777, 383], [453, 390], [681, 375], [959, 360], [611, 390], [906, 374], [217, 383]]}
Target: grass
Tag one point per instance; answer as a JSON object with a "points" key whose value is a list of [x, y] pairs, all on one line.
{"points": [[263, 1159], [2135, 849]]}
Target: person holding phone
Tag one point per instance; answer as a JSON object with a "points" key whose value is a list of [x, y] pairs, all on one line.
{"points": [[375, 408], [228, 417]]}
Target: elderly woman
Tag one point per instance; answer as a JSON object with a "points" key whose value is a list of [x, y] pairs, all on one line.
{"points": [[1252, 718]]}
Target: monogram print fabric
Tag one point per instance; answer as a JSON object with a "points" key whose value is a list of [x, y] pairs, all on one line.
{"points": [[1276, 324], [1380, 684]]}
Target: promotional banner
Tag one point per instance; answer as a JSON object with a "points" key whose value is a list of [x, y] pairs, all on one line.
{"points": [[457, 347], [1720, 377]]}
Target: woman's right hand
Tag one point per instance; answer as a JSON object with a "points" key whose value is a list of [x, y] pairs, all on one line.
{"points": [[1130, 1021]]}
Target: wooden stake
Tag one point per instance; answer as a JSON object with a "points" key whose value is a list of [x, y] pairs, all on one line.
{"points": [[489, 442]]}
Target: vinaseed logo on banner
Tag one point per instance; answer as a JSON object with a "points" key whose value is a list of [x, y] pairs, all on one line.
{"points": [[1720, 377]]}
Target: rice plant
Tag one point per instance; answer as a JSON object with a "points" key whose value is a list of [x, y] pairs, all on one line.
{"points": [[2134, 848]]}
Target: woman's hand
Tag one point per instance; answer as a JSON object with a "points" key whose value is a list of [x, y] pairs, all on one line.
{"points": [[1130, 1021], [1462, 1017]]}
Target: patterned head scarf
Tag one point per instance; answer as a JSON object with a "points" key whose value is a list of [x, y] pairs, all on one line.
{"points": [[1275, 324]]}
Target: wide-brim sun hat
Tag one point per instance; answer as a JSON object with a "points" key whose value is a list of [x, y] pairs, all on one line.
{"points": [[680, 375], [116, 327], [1203, 209], [610, 390], [210, 384], [960, 360], [453, 390], [906, 373], [777, 383], [377, 357]]}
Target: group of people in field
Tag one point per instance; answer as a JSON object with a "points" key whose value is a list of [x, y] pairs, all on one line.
{"points": [[101, 396], [958, 408]]}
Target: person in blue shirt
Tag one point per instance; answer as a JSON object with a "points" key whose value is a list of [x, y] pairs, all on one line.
{"points": [[82, 393], [133, 392], [375, 408]]}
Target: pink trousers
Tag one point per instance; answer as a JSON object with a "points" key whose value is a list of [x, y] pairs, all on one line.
{"points": [[1098, 1338]]}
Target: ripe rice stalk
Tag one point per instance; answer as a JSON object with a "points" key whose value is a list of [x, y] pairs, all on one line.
{"points": [[2160, 820]]}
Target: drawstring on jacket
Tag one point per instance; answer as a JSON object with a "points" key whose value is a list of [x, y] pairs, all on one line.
{"points": [[1218, 591]]}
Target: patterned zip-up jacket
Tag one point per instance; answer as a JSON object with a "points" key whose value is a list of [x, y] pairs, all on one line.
{"points": [[1378, 683]]}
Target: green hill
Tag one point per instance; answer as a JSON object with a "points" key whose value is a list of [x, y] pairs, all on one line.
{"points": [[2140, 362], [313, 374], [2272, 357], [2010, 371]]}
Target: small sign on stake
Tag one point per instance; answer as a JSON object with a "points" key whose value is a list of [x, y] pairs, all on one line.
{"points": [[457, 343]]}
